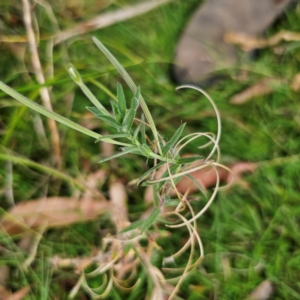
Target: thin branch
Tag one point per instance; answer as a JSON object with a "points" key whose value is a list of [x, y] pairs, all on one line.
{"points": [[41, 79], [107, 19]]}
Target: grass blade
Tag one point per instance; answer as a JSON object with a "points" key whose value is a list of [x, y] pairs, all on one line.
{"points": [[143, 130], [121, 100], [41, 168], [42, 110], [151, 219], [173, 140], [52, 115], [116, 111]]}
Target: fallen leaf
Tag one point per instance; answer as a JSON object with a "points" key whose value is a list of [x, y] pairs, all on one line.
{"points": [[92, 185], [207, 178], [262, 292], [4, 275], [240, 168], [260, 88], [107, 149], [118, 201], [18, 295], [107, 19], [4, 293], [89, 121], [249, 43], [50, 212]]}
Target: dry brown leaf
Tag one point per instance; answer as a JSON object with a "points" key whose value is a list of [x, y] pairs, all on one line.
{"points": [[4, 275], [4, 293], [50, 212], [92, 185], [18, 295], [262, 292], [262, 87], [249, 43], [207, 178], [118, 202], [89, 121], [107, 149], [296, 83], [107, 19]]}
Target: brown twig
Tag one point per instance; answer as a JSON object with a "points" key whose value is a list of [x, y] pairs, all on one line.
{"points": [[260, 88], [107, 19], [45, 95]]}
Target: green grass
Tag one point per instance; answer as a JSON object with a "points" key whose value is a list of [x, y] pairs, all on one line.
{"points": [[243, 226]]}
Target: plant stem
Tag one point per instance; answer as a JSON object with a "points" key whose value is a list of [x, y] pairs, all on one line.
{"points": [[50, 114]]}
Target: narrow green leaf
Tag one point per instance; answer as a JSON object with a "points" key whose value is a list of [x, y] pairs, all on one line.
{"points": [[134, 149], [116, 111], [94, 110], [121, 100], [170, 202], [143, 129], [130, 114], [136, 132], [13, 157], [103, 88], [156, 196], [173, 140], [42, 110], [145, 150], [150, 171], [125, 151], [151, 219], [132, 226], [52, 115], [131, 84], [107, 119], [161, 141], [113, 136], [196, 183]]}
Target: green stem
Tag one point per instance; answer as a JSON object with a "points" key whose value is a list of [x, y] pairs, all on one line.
{"points": [[78, 80], [50, 114], [45, 169]]}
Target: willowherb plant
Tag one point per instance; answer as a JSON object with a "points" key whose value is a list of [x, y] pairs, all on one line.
{"points": [[132, 135]]}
